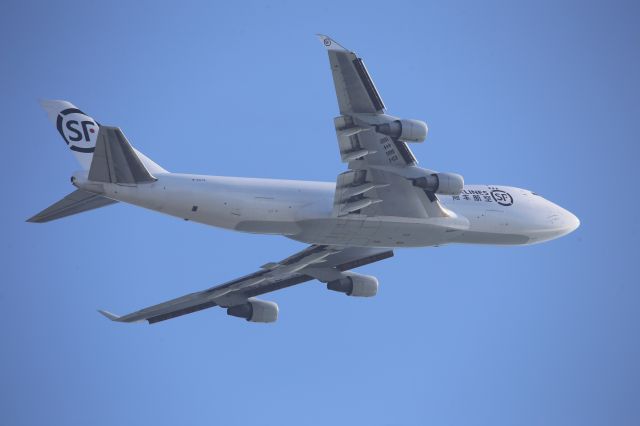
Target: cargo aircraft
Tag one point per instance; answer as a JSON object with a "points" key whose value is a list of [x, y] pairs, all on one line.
{"points": [[382, 201]]}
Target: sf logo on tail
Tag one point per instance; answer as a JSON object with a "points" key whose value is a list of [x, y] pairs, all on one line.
{"points": [[77, 129]]}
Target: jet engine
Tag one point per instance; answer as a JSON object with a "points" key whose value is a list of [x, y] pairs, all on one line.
{"points": [[353, 284], [255, 310], [441, 183], [405, 130]]}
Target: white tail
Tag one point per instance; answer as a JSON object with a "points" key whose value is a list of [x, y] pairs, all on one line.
{"points": [[80, 133], [78, 130], [116, 160]]}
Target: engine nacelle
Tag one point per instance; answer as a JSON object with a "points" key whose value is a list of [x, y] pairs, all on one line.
{"points": [[255, 310], [405, 130], [356, 285], [441, 183]]}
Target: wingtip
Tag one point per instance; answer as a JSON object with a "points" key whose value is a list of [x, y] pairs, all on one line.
{"points": [[330, 43], [34, 219], [112, 317]]}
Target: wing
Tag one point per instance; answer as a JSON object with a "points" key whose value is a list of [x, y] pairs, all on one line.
{"points": [[355, 90], [325, 263], [380, 181]]}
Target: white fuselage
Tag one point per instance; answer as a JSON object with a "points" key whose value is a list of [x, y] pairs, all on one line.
{"points": [[302, 210]]}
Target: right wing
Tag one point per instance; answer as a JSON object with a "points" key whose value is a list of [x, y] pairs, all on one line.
{"points": [[380, 181], [325, 263], [354, 87]]}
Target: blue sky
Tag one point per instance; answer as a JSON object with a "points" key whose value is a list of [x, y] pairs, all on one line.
{"points": [[541, 95]]}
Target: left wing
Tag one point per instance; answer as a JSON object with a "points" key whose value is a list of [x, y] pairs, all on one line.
{"points": [[325, 263]]}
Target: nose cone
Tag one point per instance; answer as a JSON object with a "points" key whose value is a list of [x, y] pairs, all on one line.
{"points": [[561, 222], [571, 222], [552, 221]]}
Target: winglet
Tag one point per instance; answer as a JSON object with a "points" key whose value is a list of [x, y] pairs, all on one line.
{"points": [[109, 315], [331, 44]]}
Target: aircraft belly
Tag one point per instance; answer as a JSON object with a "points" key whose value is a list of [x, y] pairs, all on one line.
{"points": [[307, 218], [243, 207], [477, 237], [378, 232], [491, 225]]}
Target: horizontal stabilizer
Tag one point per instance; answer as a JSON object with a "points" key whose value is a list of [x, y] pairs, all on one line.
{"points": [[77, 202], [115, 161]]}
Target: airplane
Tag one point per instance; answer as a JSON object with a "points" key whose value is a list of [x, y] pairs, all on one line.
{"points": [[383, 201]]}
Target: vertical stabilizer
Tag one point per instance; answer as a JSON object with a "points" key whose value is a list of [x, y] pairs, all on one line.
{"points": [[78, 130], [80, 133]]}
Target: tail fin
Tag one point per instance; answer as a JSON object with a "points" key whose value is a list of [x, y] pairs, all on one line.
{"points": [[116, 160], [80, 133], [78, 130]]}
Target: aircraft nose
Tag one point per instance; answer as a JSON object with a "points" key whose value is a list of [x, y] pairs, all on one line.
{"points": [[563, 221], [571, 221], [555, 223]]}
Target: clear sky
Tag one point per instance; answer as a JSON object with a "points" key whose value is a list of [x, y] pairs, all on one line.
{"points": [[541, 95]]}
